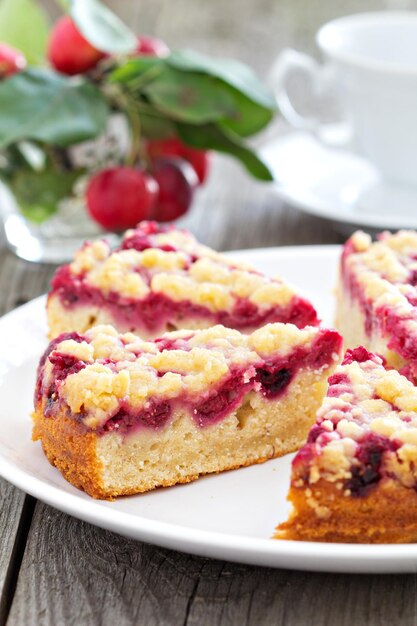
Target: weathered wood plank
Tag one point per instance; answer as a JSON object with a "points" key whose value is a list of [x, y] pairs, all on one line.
{"points": [[97, 578], [73, 573], [11, 506], [16, 286]]}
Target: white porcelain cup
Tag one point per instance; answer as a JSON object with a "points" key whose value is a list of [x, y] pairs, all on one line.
{"points": [[370, 64]]}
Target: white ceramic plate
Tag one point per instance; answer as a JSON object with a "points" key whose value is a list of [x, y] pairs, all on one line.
{"points": [[337, 185], [228, 516]]}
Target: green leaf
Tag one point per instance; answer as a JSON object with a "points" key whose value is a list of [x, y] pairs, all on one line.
{"points": [[46, 106], [189, 97], [101, 27], [250, 117], [135, 68], [211, 137], [246, 112], [234, 73], [39, 193], [25, 26]]}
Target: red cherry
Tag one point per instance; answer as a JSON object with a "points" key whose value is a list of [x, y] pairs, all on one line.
{"points": [[152, 46], [200, 160], [158, 148], [172, 146], [11, 60], [68, 51], [120, 197], [177, 181]]}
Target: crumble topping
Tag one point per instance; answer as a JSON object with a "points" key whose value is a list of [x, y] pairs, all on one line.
{"points": [[101, 372], [182, 287], [117, 273], [175, 264], [366, 428], [88, 256], [273, 337]]}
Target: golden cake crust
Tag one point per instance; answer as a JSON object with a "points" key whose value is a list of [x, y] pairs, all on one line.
{"points": [[74, 453], [71, 449], [386, 515]]}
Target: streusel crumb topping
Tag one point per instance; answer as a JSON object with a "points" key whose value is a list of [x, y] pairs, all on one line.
{"points": [[366, 427], [179, 267], [102, 369]]}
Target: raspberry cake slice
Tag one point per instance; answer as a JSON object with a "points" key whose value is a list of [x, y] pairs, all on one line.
{"points": [[377, 297], [119, 415], [162, 279], [355, 480]]}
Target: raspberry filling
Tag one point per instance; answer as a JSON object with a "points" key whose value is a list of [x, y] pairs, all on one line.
{"points": [[370, 454], [155, 416], [59, 372], [270, 378], [225, 399], [156, 312]]}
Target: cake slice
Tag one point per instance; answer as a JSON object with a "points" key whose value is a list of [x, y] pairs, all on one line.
{"points": [[119, 415], [162, 279], [377, 297], [355, 480]]}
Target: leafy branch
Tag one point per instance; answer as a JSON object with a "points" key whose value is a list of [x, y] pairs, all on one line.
{"points": [[209, 104]]}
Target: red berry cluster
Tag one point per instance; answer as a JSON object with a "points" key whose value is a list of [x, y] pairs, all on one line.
{"points": [[120, 197]]}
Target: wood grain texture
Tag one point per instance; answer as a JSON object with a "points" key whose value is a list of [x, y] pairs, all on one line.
{"points": [[73, 573], [18, 283], [11, 506]]}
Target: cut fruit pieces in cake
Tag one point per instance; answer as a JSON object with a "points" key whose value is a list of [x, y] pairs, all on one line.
{"points": [[355, 480], [377, 297], [119, 415], [162, 279]]}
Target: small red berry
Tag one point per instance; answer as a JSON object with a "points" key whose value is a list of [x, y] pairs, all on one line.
{"points": [[159, 148], [152, 46], [172, 146], [200, 160], [177, 181], [68, 51], [11, 60], [120, 197]]}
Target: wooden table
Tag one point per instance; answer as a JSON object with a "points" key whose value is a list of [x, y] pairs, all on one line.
{"points": [[57, 570]]}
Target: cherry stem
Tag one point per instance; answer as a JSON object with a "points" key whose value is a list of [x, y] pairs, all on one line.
{"points": [[136, 149]]}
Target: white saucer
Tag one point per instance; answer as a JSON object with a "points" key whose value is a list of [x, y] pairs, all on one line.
{"points": [[337, 185]]}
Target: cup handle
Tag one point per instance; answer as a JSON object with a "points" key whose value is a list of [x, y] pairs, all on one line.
{"points": [[289, 63]]}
